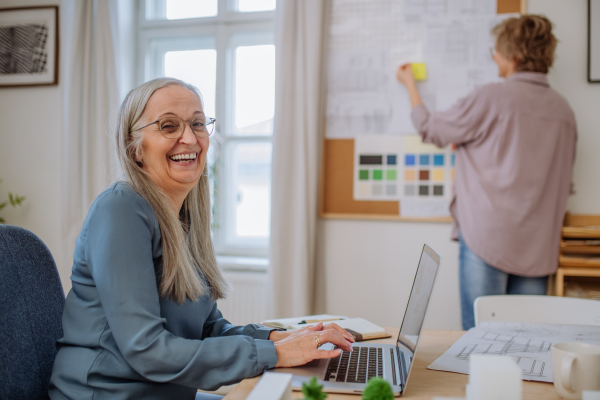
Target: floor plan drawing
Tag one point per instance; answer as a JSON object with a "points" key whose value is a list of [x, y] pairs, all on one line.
{"points": [[528, 344]]}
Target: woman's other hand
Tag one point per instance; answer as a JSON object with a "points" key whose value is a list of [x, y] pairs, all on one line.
{"points": [[301, 346], [278, 335], [404, 75]]}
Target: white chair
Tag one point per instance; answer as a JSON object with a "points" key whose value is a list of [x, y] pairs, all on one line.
{"points": [[537, 309]]}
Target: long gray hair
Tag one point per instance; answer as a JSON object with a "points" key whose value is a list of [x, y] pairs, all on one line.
{"points": [[189, 266]]}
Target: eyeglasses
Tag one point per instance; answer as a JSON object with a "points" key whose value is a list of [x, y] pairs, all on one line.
{"points": [[173, 127]]}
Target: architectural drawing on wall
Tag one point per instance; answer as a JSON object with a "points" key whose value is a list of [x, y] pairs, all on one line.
{"points": [[369, 39], [528, 344]]}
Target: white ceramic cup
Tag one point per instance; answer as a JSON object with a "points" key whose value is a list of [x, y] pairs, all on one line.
{"points": [[576, 367]]}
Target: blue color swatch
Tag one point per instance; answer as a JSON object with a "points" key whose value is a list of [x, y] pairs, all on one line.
{"points": [[438, 160], [391, 160], [410, 159], [424, 159]]}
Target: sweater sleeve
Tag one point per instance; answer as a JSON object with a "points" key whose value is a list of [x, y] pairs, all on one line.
{"points": [[460, 124], [121, 230]]}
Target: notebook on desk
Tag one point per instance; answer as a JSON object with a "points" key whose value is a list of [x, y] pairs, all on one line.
{"points": [[350, 372]]}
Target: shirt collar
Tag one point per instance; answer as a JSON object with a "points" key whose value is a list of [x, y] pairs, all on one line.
{"points": [[539, 78]]}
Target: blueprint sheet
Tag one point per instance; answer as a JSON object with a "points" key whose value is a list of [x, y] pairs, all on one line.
{"points": [[528, 344]]}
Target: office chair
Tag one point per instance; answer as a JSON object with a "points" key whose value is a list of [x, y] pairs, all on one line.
{"points": [[537, 309], [31, 305]]}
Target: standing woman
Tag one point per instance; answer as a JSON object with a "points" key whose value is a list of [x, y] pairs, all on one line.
{"points": [[141, 321], [515, 148]]}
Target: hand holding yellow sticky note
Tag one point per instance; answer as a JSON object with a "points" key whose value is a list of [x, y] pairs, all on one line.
{"points": [[419, 71]]}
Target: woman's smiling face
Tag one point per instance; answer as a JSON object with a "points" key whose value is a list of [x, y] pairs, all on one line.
{"points": [[175, 165]]}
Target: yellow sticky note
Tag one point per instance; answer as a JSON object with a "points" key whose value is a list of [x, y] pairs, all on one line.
{"points": [[419, 71]]}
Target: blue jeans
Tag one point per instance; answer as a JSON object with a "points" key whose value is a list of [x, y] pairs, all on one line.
{"points": [[478, 278]]}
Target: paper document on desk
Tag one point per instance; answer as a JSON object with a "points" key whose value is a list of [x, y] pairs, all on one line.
{"points": [[528, 344]]}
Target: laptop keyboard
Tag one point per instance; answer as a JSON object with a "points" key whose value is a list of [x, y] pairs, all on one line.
{"points": [[357, 367]]}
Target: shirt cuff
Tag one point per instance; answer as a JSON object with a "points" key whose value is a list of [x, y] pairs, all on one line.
{"points": [[419, 116], [262, 332], [266, 355]]}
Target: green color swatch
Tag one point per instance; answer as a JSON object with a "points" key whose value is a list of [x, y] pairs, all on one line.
{"points": [[377, 175], [363, 175], [390, 175]]}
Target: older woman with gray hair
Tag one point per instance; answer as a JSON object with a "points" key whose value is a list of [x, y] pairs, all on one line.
{"points": [[515, 148], [141, 320]]}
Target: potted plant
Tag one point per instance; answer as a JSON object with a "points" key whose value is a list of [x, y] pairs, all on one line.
{"points": [[13, 199]]}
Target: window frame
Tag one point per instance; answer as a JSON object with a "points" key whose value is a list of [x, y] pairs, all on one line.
{"points": [[222, 30]]}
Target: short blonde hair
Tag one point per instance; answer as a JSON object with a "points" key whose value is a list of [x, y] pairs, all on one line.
{"points": [[528, 40]]}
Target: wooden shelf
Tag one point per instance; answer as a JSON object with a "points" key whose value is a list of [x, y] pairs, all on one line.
{"points": [[578, 262], [580, 246], [579, 249], [583, 232]]}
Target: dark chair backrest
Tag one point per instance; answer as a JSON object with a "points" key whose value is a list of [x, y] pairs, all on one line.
{"points": [[31, 305]]}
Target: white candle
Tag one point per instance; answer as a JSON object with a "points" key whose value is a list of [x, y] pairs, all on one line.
{"points": [[494, 378]]}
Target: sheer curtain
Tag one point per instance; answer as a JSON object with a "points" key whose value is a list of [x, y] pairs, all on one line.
{"points": [[296, 146], [90, 100]]}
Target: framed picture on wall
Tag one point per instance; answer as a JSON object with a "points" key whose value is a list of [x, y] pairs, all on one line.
{"points": [[594, 41], [29, 46]]}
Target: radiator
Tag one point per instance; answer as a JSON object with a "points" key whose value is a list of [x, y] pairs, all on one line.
{"points": [[246, 303]]}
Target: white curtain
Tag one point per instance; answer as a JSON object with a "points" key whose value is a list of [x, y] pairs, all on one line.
{"points": [[90, 100], [296, 146]]}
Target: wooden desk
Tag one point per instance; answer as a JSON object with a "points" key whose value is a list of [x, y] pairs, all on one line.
{"points": [[423, 383]]}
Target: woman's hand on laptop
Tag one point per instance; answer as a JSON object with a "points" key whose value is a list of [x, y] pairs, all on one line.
{"points": [[301, 346]]}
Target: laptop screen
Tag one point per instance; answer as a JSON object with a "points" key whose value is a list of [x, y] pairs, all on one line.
{"points": [[416, 308]]}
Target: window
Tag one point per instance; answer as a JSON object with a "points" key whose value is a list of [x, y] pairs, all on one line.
{"points": [[226, 49]]}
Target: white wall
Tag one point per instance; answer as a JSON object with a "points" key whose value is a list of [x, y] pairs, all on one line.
{"points": [[30, 146], [369, 266]]}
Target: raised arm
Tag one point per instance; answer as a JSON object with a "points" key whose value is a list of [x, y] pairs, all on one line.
{"points": [[464, 122]]}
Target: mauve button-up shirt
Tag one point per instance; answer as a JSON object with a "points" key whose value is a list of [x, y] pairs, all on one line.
{"points": [[515, 148]]}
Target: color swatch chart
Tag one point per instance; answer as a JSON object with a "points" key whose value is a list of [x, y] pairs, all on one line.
{"points": [[376, 162], [428, 169], [391, 167]]}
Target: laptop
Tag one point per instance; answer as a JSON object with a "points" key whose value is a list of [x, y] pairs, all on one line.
{"points": [[350, 372]]}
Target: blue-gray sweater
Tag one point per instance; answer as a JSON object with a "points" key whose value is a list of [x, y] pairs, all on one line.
{"points": [[121, 339]]}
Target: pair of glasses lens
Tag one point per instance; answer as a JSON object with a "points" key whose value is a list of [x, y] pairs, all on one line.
{"points": [[173, 127]]}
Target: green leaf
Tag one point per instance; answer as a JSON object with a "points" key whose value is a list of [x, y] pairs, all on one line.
{"points": [[2, 205], [312, 390], [378, 389], [2, 221]]}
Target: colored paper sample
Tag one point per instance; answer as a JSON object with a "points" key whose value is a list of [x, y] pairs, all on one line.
{"points": [[419, 71]]}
